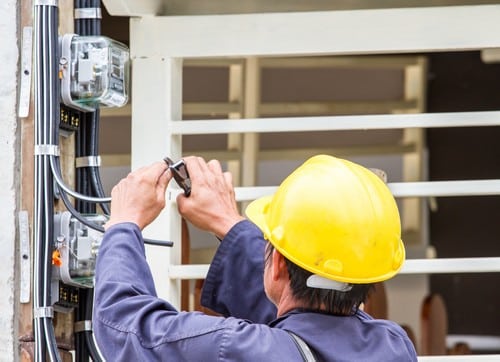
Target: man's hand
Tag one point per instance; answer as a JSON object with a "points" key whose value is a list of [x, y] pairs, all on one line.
{"points": [[140, 197], [212, 204]]}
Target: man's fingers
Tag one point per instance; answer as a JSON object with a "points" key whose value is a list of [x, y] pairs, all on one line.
{"points": [[196, 167], [228, 177], [156, 170], [163, 182], [151, 173], [215, 166]]}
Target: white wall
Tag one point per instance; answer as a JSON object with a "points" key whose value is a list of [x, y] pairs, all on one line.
{"points": [[9, 180]]}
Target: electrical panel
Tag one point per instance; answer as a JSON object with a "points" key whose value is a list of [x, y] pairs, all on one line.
{"points": [[75, 249], [94, 71]]}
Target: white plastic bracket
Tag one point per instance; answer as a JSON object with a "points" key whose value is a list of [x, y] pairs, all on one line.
{"points": [[43, 312], [88, 161], [88, 13], [83, 326], [47, 150], [46, 3], [26, 59], [24, 257]]}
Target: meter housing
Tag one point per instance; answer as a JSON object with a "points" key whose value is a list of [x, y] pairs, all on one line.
{"points": [[94, 72], [76, 248]]}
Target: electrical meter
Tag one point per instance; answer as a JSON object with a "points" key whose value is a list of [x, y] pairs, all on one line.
{"points": [[94, 71], [76, 247]]}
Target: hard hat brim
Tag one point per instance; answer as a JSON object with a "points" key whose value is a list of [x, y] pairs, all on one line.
{"points": [[256, 212]]}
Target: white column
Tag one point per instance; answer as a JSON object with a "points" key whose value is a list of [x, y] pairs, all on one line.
{"points": [[156, 102]]}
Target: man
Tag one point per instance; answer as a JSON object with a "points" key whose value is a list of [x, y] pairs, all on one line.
{"points": [[314, 249]]}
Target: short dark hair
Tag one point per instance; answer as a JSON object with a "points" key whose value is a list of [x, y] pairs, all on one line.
{"points": [[327, 300]]}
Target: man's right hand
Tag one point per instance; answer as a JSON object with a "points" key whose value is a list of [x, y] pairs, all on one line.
{"points": [[140, 196], [212, 203]]}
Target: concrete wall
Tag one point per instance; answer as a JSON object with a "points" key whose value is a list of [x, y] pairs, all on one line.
{"points": [[9, 180]]}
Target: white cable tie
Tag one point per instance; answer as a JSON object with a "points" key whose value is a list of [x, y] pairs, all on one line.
{"points": [[46, 2], [88, 161], [83, 326], [51, 150], [88, 13], [43, 312]]}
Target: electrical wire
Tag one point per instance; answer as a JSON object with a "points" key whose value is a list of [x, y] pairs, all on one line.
{"points": [[53, 114], [89, 336], [95, 176], [46, 108], [94, 226], [68, 190], [37, 212], [86, 137]]}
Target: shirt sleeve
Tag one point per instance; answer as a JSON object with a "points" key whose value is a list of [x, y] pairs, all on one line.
{"points": [[234, 285], [130, 322]]}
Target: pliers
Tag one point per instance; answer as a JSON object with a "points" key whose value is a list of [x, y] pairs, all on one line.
{"points": [[180, 173]]}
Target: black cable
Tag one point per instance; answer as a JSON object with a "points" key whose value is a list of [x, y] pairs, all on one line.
{"points": [[82, 352], [94, 172], [40, 348], [89, 208], [89, 305], [47, 111], [78, 29], [98, 21], [54, 113], [78, 153], [94, 226]]}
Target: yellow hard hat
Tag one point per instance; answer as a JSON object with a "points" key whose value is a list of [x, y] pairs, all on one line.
{"points": [[335, 219]]}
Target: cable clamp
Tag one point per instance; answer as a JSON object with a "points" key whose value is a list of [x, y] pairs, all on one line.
{"points": [[51, 150], [88, 13], [88, 161], [45, 2], [83, 326], [43, 312]]}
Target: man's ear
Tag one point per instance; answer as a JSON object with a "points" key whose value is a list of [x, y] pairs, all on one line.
{"points": [[279, 269]]}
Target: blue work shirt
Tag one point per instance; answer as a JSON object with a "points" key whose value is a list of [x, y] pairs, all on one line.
{"points": [[132, 324]]}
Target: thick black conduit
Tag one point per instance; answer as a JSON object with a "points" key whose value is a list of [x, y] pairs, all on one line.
{"points": [[46, 114], [88, 184]]}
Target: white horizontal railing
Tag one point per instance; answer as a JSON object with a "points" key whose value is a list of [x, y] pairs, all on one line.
{"points": [[398, 189], [445, 188], [464, 358], [404, 189], [451, 265], [337, 123], [475, 342], [411, 266]]}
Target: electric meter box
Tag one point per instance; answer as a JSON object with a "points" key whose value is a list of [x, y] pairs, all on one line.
{"points": [[75, 249], [94, 71]]}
